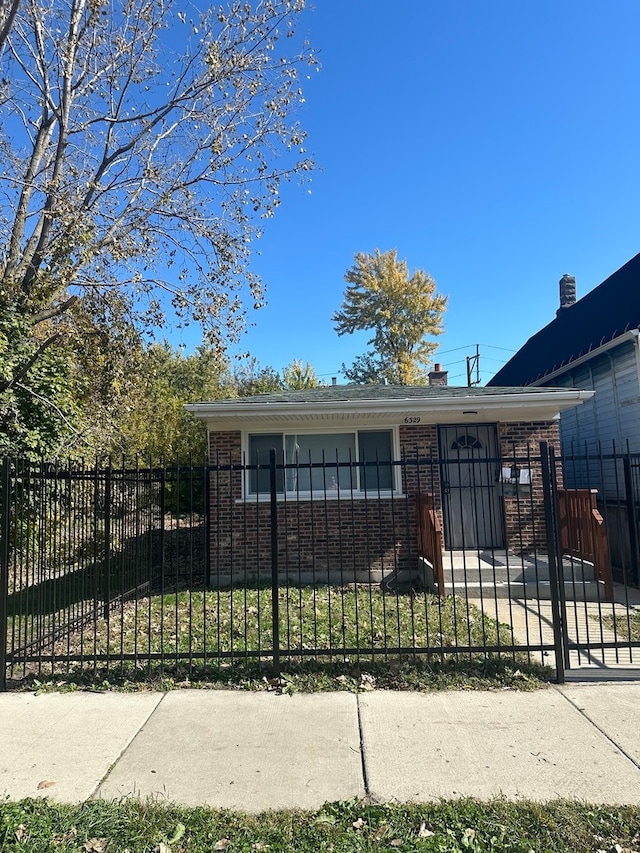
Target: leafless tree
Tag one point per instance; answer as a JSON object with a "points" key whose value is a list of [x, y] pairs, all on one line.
{"points": [[8, 11], [141, 145]]}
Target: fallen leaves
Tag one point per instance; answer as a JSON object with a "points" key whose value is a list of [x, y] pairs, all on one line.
{"points": [[424, 831], [381, 832], [46, 783], [367, 681], [96, 845], [222, 844], [177, 835], [66, 838], [469, 838], [273, 683]]}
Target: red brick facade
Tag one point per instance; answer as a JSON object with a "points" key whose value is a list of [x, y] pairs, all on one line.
{"points": [[348, 538], [519, 446]]}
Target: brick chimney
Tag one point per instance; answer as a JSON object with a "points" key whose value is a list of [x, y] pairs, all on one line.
{"points": [[567, 292], [438, 376]]}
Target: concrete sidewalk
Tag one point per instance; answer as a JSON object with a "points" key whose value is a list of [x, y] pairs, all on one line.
{"points": [[256, 751]]}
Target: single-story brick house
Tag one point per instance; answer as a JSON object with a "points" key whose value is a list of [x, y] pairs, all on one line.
{"points": [[351, 463]]}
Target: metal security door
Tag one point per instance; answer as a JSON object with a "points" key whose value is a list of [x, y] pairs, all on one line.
{"points": [[472, 514]]}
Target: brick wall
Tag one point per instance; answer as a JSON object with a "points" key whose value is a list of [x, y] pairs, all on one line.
{"points": [[340, 539], [519, 446], [355, 538], [419, 450]]}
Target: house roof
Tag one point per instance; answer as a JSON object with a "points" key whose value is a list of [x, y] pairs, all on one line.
{"points": [[335, 404], [603, 315]]}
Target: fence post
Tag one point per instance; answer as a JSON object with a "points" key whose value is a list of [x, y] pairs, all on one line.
{"points": [[550, 500], [631, 516], [106, 581], [207, 522], [562, 597], [275, 591], [5, 519]]}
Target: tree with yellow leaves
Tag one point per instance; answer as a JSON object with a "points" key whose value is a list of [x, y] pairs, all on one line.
{"points": [[400, 309]]}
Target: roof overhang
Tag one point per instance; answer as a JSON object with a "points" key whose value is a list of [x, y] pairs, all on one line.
{"points": [[488, 408], [631, 335]]}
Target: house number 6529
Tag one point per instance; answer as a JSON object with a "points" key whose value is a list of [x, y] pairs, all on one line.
{"points": [[412, 420]]}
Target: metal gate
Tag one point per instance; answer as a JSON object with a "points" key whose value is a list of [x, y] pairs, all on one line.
{"points": [[595, 600], [472, 512]]}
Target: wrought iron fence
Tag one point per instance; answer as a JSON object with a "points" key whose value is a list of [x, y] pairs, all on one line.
{"points": [[203, 569], [614, 475]]}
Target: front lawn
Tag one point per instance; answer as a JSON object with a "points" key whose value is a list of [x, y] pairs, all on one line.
{"points": [[329, 638], [233, 623]]}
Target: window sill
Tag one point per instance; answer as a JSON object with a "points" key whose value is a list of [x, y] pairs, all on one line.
{"points": [[330, 497]]}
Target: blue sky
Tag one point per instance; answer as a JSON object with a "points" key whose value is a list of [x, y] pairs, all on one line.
{"points": [[494, 144]]}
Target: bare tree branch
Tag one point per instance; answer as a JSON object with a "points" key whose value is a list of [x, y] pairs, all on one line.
{"points": [[8, 12], [48, 402], [54, 311], [146, 150], [22, 369]]}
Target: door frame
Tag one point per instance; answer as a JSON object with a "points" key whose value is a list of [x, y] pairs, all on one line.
{"points": [[487, 530]]}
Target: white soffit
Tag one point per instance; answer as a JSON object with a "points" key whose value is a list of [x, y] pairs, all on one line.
{"points": [[487, 408]]}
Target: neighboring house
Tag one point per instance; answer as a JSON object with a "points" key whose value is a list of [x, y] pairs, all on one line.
{"points": [[352, 463], [591, 344]]}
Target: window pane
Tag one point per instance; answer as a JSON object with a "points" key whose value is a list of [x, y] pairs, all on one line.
{"points": [[375, 449], [301, 450], [259, 452]]}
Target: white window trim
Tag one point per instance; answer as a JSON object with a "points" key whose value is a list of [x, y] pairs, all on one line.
{"points": [[325, 495]]}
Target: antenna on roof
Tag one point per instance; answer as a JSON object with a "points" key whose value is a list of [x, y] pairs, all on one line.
{"points": [[473, 363]]}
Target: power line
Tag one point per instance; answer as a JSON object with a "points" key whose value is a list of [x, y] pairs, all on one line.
{"points": [[472, 361], [468, 346], [445, 351], [493, 346]]}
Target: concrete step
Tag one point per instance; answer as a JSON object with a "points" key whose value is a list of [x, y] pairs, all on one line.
{"points": [[502, 574], [585, 591], [503, 566], [516, 574]]}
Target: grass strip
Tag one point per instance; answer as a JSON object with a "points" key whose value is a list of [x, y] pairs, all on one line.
{"points": [[460, 826], [454, 673], [626, 625]]}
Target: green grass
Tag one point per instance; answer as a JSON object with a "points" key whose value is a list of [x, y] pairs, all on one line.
{"points": [[419, 674], [625, 626], [231, 627], [465, 826], [322, 618]]}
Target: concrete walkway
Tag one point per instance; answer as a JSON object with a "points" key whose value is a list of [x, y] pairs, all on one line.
{"points": [[256, 751], [532, 622]]}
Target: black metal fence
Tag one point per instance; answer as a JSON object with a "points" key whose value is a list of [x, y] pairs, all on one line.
{"points": [[84, 550], [615, 475], [197, 570]]}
